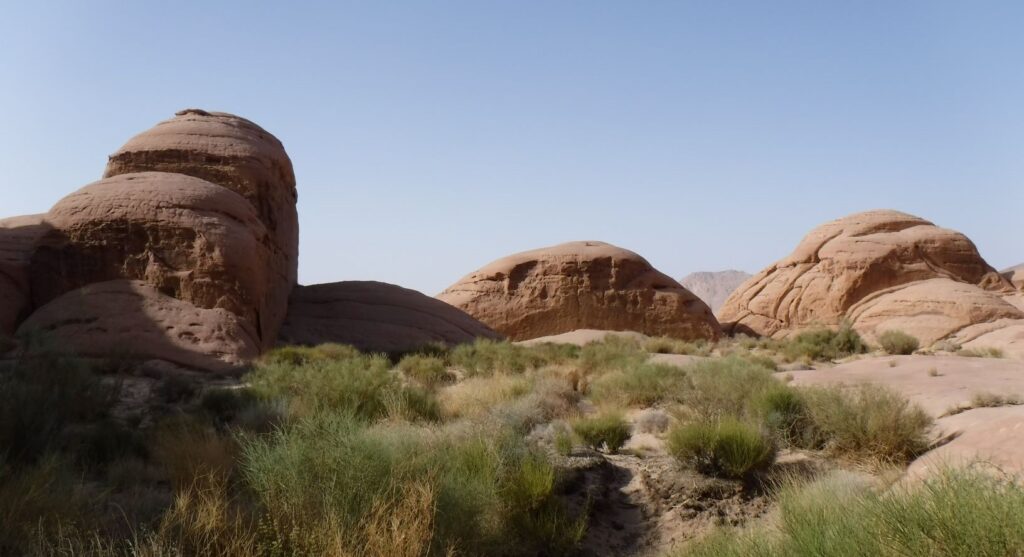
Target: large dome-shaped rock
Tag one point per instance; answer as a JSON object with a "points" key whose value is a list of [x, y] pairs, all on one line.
{"points": [[229, 151], [580, 285], [134, 319], [843, 262], [192, 240], [930, 310], [375, 317], [18, 238]]}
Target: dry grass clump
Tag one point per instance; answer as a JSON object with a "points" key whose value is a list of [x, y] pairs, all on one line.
{"points": [[982, 352], [957, 512], [429, 371], [898, 342], [644, 385], [992, 400], [666, 345]]}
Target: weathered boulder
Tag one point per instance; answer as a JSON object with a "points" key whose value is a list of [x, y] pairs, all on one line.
{"points": [[714, 287], [846, 261], [192, 240], [580, 285], [930, 310], [134, 319], [18, 238], [375, 317], [229, 151]]}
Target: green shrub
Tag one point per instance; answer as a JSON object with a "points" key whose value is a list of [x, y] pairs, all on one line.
{"points": [[728, 447], [490, 493], [824, 344], [298, 355], [609, 431], [615, 352], [957, 512], [643, 385], [868, 421], [898, 342], [430, 371], [725, 386], [43, 393], [784, 410], [486, 357], [346, 381]]}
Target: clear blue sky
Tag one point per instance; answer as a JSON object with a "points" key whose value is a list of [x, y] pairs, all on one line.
{"points": [[431, 137]]}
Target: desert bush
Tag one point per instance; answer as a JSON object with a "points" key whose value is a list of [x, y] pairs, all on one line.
{"points": [[609, 431], [615, 352], [486, 357], [430, 371], [991, 400], [957, 512], [645, 384], [476, 396], [783, 410], [725, 386], [868, 421], [298, 355], [824, 344], [344, 381], [727, 447], [43, 393], [490, 493], [667, 345], [189, 450], [898, 342], [226, 404], [982, 352]]}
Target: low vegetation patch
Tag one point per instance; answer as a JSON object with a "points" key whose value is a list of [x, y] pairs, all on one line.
{"points": [[727, 447], [898, 342], [823, 344], [608, 431], [982, 352], [666, 345]]}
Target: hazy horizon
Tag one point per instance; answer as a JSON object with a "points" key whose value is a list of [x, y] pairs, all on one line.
{"points": [[430, 140]]}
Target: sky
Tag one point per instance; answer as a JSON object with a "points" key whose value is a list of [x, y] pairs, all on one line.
{"points": [[430, 138]]}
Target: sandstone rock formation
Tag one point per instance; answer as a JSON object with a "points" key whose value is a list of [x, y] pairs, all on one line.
{"points": [[190, 239], [18, 238], [133, 318], [714, 287], [375, 316], [580, 285], [228, 151], [857, 266]]}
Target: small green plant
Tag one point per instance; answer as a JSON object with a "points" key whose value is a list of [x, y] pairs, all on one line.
{"points": [[728, 447], [784, 410], [609, 431], [898, 342]]}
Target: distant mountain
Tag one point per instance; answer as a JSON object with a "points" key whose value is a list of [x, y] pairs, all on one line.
{"points": [[714, 287], [1015, 275]]}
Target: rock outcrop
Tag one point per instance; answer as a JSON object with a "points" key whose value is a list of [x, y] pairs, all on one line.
{"points": [[134, 319], [377, 317], [580, 285], [18, 238], [229, 151], [714, 287], [190, 239], [880, 268]]}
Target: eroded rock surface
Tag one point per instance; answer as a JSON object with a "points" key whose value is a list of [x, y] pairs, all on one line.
{"points": [[190, 239], [229, 151], [18, 238], [134, 319], [375, 316], [580, 285], [865, 259], [1016, 276]]}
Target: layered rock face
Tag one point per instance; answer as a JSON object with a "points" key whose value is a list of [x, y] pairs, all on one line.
{"points": [[229, 151], [377, 317], [192, 240], [714, 287], [135, 318], [881, 269], [186, 251], [18, 239], [580, 285]]}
